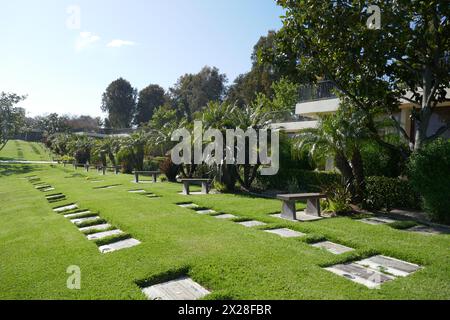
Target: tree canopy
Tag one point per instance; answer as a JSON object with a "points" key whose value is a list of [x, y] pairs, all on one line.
{"points": [[192, 92], [406, 58], [119, 101], [12, 118], [150, 98]]}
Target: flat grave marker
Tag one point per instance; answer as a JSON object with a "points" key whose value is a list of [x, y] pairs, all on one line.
{"points": [[377, 220], [104, 234], [73, 215], [66, 208], [225, 216], [332, 247], [188, 205], [359, 274], [390, 265], [99, 227], [179, 289], [285, 233], [252, 223], [123, 244], [206, 211], [81, 220]]}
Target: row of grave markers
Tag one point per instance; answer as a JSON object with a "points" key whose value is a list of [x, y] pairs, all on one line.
{"points": [[371, 272], [93, 231]]}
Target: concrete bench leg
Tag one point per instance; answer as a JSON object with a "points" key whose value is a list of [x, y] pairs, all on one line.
{"points": [[104, 171], [136, 177], [288, 210], [186, 188], [205, 189], [313, 207], [154, 178]]}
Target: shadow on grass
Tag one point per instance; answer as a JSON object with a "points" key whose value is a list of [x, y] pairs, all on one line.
{"points": [[11, 169]]}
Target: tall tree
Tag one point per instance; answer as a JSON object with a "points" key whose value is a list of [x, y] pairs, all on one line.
{"points": [[150, 98], [406, 58], [192, 92], [260, 78], [119, 101], [12, 118]]}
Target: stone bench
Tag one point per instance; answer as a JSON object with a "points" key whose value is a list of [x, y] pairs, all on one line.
{"points": [[187, 182], [154, 174], [288, 210], [80, 165], [102, 169]]}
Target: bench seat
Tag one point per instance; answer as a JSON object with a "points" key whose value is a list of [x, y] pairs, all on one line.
{"points": [[288, 210]]}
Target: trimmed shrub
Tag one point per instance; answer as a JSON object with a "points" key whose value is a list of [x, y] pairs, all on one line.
{"points": [[308, 181], [379, 161], [125, 160], [169, 169], [429, 171], [388, 193], [153, 164]]}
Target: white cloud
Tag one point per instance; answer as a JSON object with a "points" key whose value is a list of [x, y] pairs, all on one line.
{"points": [[85, 39], [117, 43]]}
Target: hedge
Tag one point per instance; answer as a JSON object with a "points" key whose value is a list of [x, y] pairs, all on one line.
{"points": [[388, 193], [305, 180], [429, 170]]}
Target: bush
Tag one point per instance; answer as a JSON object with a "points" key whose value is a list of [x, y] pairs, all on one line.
{"points": [[169, 169], [153, 164], [125, 160], [308, 181], [429, 171], [338, 197], [379, 161], [388, 193]]}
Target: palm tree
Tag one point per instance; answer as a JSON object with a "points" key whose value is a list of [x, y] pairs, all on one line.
{"points": [[135, 145], [107, 147], [340, 135]]}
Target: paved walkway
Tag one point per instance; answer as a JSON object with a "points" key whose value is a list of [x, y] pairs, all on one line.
{"points": [[27, 162]]}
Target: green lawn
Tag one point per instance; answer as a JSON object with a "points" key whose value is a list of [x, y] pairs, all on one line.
{"points": [[37, 245], [23, 150]]}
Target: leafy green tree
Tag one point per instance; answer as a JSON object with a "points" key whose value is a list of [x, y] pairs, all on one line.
{"points": [[342, 135], [231, 116], [150, 98], [107, 147], [192, 92], [407, 58], [80, 148], [135, 146], [52, 123], [260, 79], [119, 101], [12, 118]]}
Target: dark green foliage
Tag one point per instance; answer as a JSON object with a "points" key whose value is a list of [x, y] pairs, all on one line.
{"points": [[389, 193], [403, 225], [119, 101], [169, 169], [379, 161], [192, 92], [308, 181], [150, 98], [429, 171]]}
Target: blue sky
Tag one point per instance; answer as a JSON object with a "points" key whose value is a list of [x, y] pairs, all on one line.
{"points": [[64, 66]]}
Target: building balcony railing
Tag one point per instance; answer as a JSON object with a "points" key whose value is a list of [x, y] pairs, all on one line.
{"points": [[321, 90]]}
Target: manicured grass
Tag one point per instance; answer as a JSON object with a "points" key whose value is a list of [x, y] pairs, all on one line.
{"points": [[24, 150], [37, 245]]}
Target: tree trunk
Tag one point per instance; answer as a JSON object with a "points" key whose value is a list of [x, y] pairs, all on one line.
{"points": [[344, 167], [358, 173]]}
